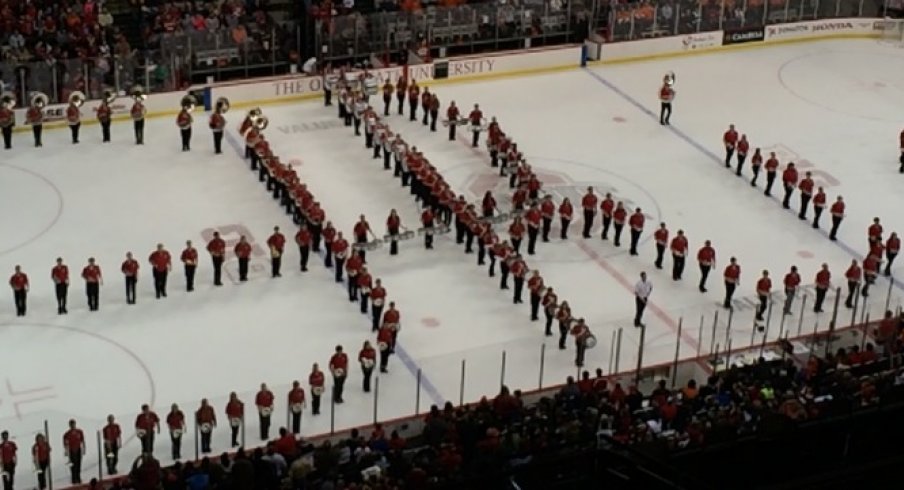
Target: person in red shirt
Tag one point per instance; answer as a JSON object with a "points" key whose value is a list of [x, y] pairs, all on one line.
{"points": [[853, 276], [588, 204], [377, 301], [743, 148], [8, 460], [566, 214], [339, 369], [791, 281], [661, 237], [475, 118], [393, 226], [189, 259], [296, 403], [93, 281], [19, 283], [636, 222], [731, 276], [756, 162], [161, 264], [518, 269], [112, 436], [619, 218], [819, 205], [184, 120], [264, 403], [823, 283], [216, 247], [706, 257], [147, 423], [129, 269], [34, 117], [40, 455], [535, 286], [805, 186], [243, 252], [175, 422], [771, 172], [235, 414], [138, 113], [385, 342], [361, 233], [60, 277], [874, 232], [452, 119], [276, 243], [870, 271], [729, 140], [516, 233], [534, 219], [304, 238], [679, 255], [789, 180], [367, 358], [206, 420], [316, 381], [666, 96], [892, 246], [74, 449], [763, 290], [837, 211], [103, 116]]}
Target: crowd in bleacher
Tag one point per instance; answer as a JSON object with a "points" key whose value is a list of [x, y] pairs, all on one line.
{"points": [[501, 433]]}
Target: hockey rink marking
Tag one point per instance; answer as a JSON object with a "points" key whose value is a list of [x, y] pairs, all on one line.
{"points": [[53, 221], [718, 161]]}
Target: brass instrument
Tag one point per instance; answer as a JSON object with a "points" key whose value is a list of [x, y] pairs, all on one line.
{"points": [[77, 98], [189, 102], [39, 100], [138, 93], [109, 96], [7, 100], [222, 105]]}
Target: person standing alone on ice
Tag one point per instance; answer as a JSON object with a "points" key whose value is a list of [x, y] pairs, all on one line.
{"points": [[642, 291]]}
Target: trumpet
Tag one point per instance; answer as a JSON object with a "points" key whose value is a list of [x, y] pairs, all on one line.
{"points": [[7, 100], [188, 102], [138, 93], [77, 98], [39, 100], [109, 96], [222, 105]]}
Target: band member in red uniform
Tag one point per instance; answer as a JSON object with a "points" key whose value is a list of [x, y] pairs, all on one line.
{"points": [[189, 260], [535, 286], [853, 275], [138, 113], [264, 403], [40, 454], [533, 218], [367, 358], [563, 316], [426, 96], [771, 172], [730, 140], [731, 276], [706, 257], [414, 93], [74, 449], [93, 281], [488, 205], [588, 203], [819, 205], [19, 283], [387, 96], [619, 218], [316, 381], [235, 413], [874, 232], [303, 239], [743, 148], [112, 436], [362, 231], [516, 233], [175, 422], [791, 282], [427, 221], [475, 118], [566, 214], [217, 125], [547, 212], [385, 343], [7, 122], [74, 120], [789, 180], [206, 420], [805, 186], [518, 269], [243, 253], [34, 117], [276, 243], [184, 120], [8, 460], [485, 240], [217, 250], [146, 424], [161, 264], [365, 283], [452, 118], [837, 212], [823, 283], [870, 272], [104, 116], [340, 251], [377, 300], [550, 303], [756, 162], [60, 276], [581, 332], [763, 290], [892, 247], [636, 222], [401, 90], [339, 369], [129, 269], [678, 248], [296, 404], [666, 96], [393, 224], [393, 319], [661, 237]]}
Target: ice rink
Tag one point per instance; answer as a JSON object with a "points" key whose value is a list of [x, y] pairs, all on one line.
{"points": [[832, 107]]}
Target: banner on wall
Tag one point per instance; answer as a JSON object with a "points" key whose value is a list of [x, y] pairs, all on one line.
{"points": [[813, 28], [740, 36]]}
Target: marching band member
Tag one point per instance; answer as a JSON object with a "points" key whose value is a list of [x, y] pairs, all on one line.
{"points": [[427, 222], [475, 118], [386, 145], [377, 299], [566, 214], [401, 90], [19, 283], [329, 239], [276, 243], [535, 287], [387, 96], [588, 203], [112, 437], [303, 239], [486, 238], [161, 264], [316, 381], [468, 219], [175, 421], [563, 316], [93, 280], [384, 342], [217, 124], [619, 217], [367, 358], [40, 454], [434, 111], [393, 224], [488, 205], [146, 424], [495, 137], [344, 103], [74, 450], [353, 266], [370, 123], [516, 233], [679, 255], [743, 148], [756, 162], [206, 420], [316, 217], [264, 403], [184, 120], [853, 275], [392, 319], [216, 247], [74, 118], [518, 269], [426, 97], [731, 275], [819, 205], [34, 117], [414, 93], [452, 120], [501, 252], [339, 248], [138, 113], [189, 260], [296, 404], [666, 96], [339, 368], [503, 154], [7, 120], [730, 140], [706, 257], [365, 283], [243, 253], [533, 218], [359, 107], [60, 276], [771, 172], [361, 232], [399, 152], [329, 83], [248, 123], [636, 222], [550, 304], [104, 116], [581, 333], [235, 413]]}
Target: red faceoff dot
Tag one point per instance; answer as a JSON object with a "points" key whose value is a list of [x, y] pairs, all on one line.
{"points": [[430, 322]]}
